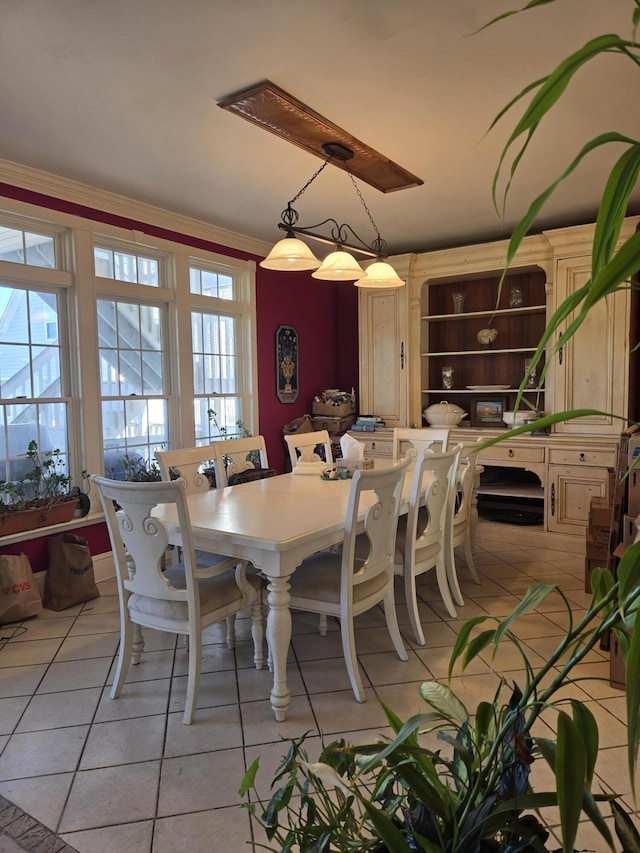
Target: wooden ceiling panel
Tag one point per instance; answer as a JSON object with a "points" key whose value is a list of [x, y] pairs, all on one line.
{"points": [[270, 107]]}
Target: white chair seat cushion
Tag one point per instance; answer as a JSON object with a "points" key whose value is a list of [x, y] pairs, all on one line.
{"points": [[215, 593], [318, 579]]}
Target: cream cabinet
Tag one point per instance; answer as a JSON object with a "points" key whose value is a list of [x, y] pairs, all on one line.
{"points": [[407, 337], [383, 331], [571, 488], [591, 370]]}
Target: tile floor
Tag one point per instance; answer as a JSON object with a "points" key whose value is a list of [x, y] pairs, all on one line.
{"points": [[108, 776]]}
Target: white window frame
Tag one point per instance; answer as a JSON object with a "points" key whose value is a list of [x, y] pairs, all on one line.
{"points": [[74, 252], [60, 282]]}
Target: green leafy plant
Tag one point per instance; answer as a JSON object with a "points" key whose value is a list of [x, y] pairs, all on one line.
{"points": [[473, 795], [253, 456], [613, 262], [138, 469], [46, 483]]}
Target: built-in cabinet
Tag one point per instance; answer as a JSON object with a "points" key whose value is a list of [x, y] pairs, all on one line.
{"points": [[402, 359], [383, 327], [458, 361]]}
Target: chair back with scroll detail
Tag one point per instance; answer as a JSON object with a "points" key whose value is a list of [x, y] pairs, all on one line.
{"points": [[173, 600], [352, 580], [412, 441], [238, 454], [187, 463], [307, 443]]}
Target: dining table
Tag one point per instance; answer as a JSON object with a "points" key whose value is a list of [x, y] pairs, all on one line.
{"points": [[273, 523]]}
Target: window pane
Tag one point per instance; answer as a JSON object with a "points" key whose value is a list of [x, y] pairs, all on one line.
{"points": [[26, 247], [152, 373], [41, 250], [11, 245], [103, 262], [30, 359], [133, 431], [44, 423], [208, 282], [126, 266]]}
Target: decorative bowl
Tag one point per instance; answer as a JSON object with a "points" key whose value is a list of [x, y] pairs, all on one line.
{"points": [[444, 414], [517, 419]]}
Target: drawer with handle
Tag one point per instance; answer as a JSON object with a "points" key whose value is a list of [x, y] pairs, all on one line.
{"points": [[500, 453], [599, 458]]}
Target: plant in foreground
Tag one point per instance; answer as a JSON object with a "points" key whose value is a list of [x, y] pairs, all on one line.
{"points": [[473, 792]]}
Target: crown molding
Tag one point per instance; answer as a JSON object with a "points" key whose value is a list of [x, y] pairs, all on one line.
{"points": [[68, 190]]}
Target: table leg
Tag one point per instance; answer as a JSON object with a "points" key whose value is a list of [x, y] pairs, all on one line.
{"points": [[279, 638]]}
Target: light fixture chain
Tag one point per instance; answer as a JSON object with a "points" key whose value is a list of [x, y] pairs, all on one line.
{"points": [[364, 204], [310, 181]]}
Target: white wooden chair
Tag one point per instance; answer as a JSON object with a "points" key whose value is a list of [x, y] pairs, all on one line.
{"points": [[342, 585], [174, 600], [421, 539], [413, 440], [234, 455], [458, 519], [187, 462], [307, 443]]}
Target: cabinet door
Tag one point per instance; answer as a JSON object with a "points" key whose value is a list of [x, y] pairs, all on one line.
{"points": [[383, 354], [570, 489], [591, 371]]}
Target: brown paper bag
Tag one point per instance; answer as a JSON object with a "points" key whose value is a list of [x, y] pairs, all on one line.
{"points": [[70, 578], [19, 595]]}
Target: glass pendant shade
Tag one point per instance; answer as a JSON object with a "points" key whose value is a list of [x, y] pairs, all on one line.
{"points": [[380, 274], [290, 255], [339, 266]]}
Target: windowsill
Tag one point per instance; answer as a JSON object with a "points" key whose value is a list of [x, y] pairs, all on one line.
{"points": [[74, 524]]}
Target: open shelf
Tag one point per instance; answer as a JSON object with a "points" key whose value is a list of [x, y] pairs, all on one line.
{"points": [[470, 315], [451, 340]]}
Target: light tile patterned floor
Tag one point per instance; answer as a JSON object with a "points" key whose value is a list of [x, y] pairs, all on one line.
{"points": [[108, 776]]}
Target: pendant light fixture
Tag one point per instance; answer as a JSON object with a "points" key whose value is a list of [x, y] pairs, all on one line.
{"points": [[292, 254]]}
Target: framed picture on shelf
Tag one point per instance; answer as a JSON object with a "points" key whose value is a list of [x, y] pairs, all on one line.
{"points": [[487, 411]]}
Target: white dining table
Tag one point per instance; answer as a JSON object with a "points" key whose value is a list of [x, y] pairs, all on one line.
{"points": [[274, 523]]}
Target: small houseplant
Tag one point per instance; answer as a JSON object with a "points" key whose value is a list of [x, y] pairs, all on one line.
{"points": [[42, 497]]}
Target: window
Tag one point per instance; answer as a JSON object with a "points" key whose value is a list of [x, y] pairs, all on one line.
{"points": [[32, 401], [91, 356], [131, 343], [221, 405]]}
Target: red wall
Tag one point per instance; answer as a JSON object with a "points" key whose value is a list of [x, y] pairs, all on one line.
{"points": [[324, 314]]}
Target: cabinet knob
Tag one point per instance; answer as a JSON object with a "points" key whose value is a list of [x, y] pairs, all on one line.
{"points": [[553, 499], [510, 452], [582, 457]]}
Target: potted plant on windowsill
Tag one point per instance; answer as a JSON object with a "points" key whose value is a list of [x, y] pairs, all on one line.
{"points": [[43, 497], [473, 795]]}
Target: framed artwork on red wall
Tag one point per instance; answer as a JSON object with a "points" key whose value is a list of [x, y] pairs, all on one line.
{"points": [[286, 364]]}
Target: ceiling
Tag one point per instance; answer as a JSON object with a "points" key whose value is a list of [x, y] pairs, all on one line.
{"points": [[122, 95]]}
